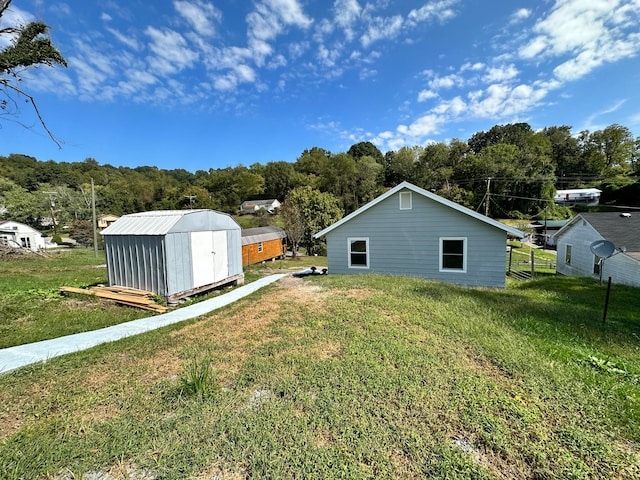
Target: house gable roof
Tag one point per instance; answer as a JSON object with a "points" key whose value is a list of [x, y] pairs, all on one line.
{"points": [[261, 234], [432, 196], [620, 229]]}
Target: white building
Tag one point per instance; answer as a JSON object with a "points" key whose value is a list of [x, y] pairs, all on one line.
{"points": [[577, 196], [19, 235], [576, 259]]}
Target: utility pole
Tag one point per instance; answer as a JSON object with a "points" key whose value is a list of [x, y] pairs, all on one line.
{"points": [[486, 203], [95, 222], [191, 199], [52, 204]]}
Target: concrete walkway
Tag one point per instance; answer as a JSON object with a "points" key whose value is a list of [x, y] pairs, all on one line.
{"points": [[21, 355]]}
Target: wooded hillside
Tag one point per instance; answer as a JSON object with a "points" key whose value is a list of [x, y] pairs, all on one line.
{"points": [[520, 167]]}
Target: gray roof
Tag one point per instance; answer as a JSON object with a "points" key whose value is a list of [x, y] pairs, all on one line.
{"points": [[259, 202], [623, 230], [437, 198], [261, 234], [161, 222]]}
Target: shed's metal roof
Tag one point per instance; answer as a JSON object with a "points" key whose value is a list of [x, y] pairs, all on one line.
{"points": [[261, 234], [161, 222]]}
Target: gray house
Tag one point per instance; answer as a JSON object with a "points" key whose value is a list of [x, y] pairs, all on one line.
{"points": [[410, 231], [174, 253], [574, 240]]}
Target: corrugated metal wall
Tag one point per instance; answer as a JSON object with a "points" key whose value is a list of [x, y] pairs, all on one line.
{"points": [[137, 262], [155, 252]]}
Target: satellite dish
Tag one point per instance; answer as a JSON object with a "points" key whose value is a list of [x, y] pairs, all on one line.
{"points": [[602, 248]]}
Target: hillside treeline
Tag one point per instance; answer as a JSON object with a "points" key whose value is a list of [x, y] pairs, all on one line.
{"points": [[520, 169]]}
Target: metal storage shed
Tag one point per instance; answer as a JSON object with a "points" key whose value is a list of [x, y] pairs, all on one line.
{"points": [[174, 253]]}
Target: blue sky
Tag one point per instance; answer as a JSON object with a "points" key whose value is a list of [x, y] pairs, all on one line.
{"points": [[199, 84]]}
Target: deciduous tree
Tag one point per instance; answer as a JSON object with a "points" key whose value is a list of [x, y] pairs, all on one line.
{"points": [[30, 46]]}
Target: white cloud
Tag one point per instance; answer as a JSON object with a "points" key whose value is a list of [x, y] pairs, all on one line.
{"points": [[172, 53], [590, 32], [474, 67], [130, 42], [268, 20], [382, 28], [346, 14], [520, 14], [425, 95], [200, 15], [439, 10], [501, 74], [448, 81]]}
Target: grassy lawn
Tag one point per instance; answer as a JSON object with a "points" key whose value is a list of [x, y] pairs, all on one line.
{"points": [[347, 377], [32, 309], [520, 257]]}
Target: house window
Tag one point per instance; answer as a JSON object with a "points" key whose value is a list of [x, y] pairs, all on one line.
{"points": [[26, 242], [259, 247], [358, 252], [4, 240], [596, 265], [567, 254], [453, 254], [405, 201]]}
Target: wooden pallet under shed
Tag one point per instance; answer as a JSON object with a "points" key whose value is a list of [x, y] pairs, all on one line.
{"points": [[132, 297]]}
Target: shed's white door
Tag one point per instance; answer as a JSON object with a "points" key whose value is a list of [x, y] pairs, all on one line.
{"points": [[209, 257]]}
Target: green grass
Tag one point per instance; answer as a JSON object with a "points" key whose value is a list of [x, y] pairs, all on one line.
{"points": [[544, 261], [348, 377], [32, 309]]}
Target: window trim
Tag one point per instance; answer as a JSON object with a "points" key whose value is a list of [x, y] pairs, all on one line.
{"points": [[441, 268], [350, 240], [404, 194], [568, 248]]}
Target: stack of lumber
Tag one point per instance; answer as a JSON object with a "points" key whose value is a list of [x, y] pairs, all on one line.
{"points": [[123, 295]]}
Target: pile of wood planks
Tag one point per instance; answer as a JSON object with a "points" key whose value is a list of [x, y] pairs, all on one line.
{"points": [[123, 295]]}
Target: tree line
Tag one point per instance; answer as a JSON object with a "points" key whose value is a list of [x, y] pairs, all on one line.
{"points": [[509, 171]]}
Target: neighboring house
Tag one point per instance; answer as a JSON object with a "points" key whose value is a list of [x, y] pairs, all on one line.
{"points": [[261, 244], [174, 253], [544, 231], [19, 235], [577, 196], [252, 206], [105, 220], [574, 240], [410, 231]]}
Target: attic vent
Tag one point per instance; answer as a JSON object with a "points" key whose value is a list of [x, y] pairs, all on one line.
{"points": [[625, 215], [405, 201]]}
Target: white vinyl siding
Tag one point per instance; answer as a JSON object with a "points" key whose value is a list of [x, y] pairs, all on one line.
{"points": [[358, 252], [453, 254], [405, 201]]}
